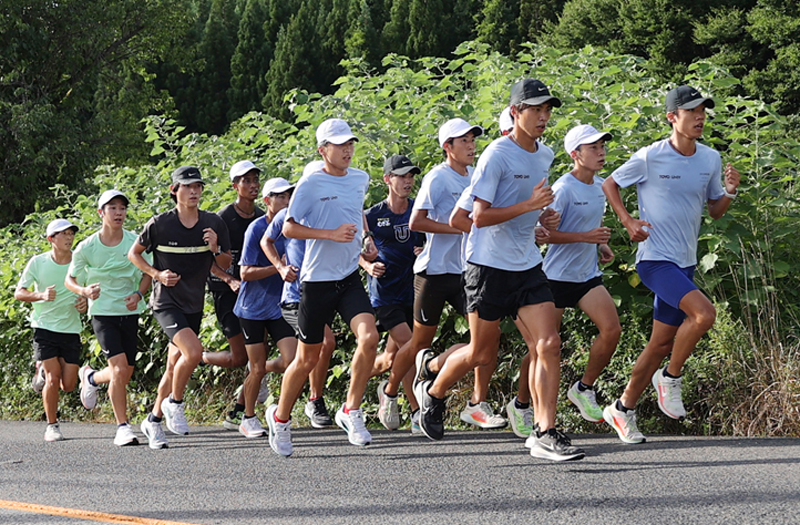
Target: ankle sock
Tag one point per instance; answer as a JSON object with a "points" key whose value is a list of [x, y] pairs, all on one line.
{"points": [[237, 408], [153, 419], [90, 379], [519, 405], [667, 374], [622, 408], [583, 387]]}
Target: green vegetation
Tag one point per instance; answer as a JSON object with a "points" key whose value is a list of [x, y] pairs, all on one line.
{"points": [[743, 379]]}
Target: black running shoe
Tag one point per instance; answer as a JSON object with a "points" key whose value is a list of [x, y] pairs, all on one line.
{"points": [[555, 446], [431, 412], [421, 360], [318, 414]]}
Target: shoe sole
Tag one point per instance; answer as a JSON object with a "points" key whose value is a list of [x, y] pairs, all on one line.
{"points": [[341, 425], [609, 419], [253, 436], [541, 453], [585, 415], [130, 443], [661, 406], [488, 426], [227, 425]]}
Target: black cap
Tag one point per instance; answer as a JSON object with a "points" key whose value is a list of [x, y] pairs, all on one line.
{"points": [[533, 93], [187, 175], [400, 165], [686, 97]]}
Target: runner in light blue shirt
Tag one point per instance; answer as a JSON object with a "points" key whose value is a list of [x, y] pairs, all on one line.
{"points": [[675, 179]]}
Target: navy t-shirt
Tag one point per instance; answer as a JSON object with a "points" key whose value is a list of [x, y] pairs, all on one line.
{"points": [[395, 242]]}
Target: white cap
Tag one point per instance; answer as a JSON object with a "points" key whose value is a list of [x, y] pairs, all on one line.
{"points": [[59, 225], [108, 196], [275, 185], [505, 120], [583, 134], [334, 130], [242, 167], [457, 127]]}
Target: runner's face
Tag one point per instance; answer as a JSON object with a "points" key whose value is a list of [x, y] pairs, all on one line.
{"points": [[461, 150], [188, 194], [688, 122], [532, 120], [338, 156], [62, 241], [114, 213], [248, 186], [591, 156], [277, 201], [400, 185]]}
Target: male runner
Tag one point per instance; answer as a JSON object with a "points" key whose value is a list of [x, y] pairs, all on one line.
{"points": [[55, 319], [115, 289], [224, 285], [326, 209], [185, 243], [504, 275], [258, 307], [675, 179]]}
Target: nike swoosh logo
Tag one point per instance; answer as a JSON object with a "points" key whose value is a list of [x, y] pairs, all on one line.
{"points": [[695, 93], [422, 315], [541, 88], [301, 333], [245, 334], [172, 326]]}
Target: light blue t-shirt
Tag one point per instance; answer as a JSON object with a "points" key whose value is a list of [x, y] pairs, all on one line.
{"points": [[581, 207], [293, 249], [438, 194], [325, 201], [258, 300], [506, 175], [672, 190], [465, 203]]}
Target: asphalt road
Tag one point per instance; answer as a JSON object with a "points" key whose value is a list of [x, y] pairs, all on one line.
{"points": [[217, 476]]}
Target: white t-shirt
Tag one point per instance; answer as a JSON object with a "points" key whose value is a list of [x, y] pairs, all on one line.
{"points": [[672, 190], [438, 194], [325, 201], [581, 207], [506, 175]]}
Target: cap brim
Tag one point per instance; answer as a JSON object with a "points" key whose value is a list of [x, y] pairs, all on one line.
{"points": [[406, 169], [591, 139], [538, 101], [186, 182], [71, 227], [707, 102], [242, 174], [341, 139], [118, 196]]}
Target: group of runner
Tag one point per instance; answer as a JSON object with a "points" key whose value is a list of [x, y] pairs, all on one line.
{"points": [[286, 272]]}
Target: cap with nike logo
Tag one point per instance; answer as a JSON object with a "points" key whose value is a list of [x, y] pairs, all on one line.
{"points": [[686, 97], [532, 92]]}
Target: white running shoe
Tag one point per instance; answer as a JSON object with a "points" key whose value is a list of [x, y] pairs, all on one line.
{"points": [[624, 423], [53, 433], [482, 416], [88, 390], [156, 438], [353, 423], [125, 436], [416, 430], [250, 427], [521, 419], [280, 434], [388, 413], [586, 401], [38, 380], [175, 417], [669, 394]]}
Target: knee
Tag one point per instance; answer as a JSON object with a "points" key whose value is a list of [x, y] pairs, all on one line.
{"points": [[368, 341], [706, 317], [549, 346], [258, 370], [121, 375], [611, 333], [479, 359], [307, 361]]}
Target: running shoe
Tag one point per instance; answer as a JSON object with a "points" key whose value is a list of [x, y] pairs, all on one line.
{"points": [[88, 390], [125, 436], [421, 361], [53, 433], [586, 402], [175, 417], [431, 418], [353, 423], [669, 394], [624, 422], [531, 441], [482, 416], [416, 430], [232, 420], [263, 389], [251, 428], [521, 419], [317, 413], [280, 434], [555, 446], [38, 380], [388, 412], [156, 438]]}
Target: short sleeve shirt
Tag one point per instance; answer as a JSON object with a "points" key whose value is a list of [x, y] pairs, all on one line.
{"points": [[395, 243], [237, 225], [465, 202], [506, 175], [672, 190], [581, 207], [60, 314], [183, 251], [293, 249], [258, 300], [438, 193], [110, 267], [324, 201]]}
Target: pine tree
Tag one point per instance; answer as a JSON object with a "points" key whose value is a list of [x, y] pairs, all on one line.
{"points": [[395, 31], [250, 61], [498, 25]]}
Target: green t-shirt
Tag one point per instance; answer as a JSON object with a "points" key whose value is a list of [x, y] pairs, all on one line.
{"points": [[94, 262], [60, 314]]}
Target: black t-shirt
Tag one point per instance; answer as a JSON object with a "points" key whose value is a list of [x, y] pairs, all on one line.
{"points": [[182, 250], [237, 225]]}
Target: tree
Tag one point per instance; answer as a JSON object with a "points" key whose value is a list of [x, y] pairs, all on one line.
{"points": [[250, 61]]}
